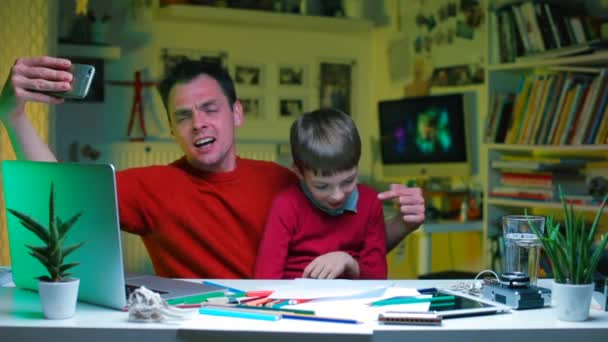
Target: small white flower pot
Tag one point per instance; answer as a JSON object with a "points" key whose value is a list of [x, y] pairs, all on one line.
{"points": [[58, 299], [572, 302]]}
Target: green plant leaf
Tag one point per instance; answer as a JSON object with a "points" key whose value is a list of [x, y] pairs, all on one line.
{"points": [[31, 225], [66, 267], [69, 249], [64, 227]]}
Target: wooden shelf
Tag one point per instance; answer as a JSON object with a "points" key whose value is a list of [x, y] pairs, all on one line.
{"points": [[457, 89], [90, 51], [450, 226], [507, 202], [548, 148], [263, 19], [596, 58]]}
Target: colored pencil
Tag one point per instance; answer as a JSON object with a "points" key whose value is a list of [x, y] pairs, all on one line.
{"points": [[321, 318], [231, 289], [227, 312], [411, 300]]}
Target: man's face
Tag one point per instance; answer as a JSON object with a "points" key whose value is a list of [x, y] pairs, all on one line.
{"points": [[203, 124], [331, 191]]}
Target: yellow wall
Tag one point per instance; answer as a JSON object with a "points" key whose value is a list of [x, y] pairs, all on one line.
{"points": [[25, 31]]}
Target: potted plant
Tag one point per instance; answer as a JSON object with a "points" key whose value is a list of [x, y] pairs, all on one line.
{"points": [[58, 292], [569, 248]]}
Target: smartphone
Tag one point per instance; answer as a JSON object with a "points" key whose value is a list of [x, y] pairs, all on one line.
{"points": [[81, 82]]}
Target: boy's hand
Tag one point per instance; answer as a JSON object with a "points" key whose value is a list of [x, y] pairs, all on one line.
{"points": [[332, 265], [28, 77], [410, 202]]}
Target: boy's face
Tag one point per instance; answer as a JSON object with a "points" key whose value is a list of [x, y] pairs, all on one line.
{"points": [[204, 124], [331, 191]]}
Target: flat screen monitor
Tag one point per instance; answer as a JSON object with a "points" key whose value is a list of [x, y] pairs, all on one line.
{"points": [[424, 136]]}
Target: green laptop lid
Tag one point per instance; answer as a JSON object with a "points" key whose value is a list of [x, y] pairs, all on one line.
{"points": [[90, 188]]}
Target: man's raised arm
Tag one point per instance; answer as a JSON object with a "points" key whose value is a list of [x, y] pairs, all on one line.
{"points": [[27, 78]]}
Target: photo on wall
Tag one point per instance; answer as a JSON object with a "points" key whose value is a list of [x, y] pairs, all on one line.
{"points": [[170, 57], [335, 87], [292, 75], [291, 107], [248, 74], [252, 107]]}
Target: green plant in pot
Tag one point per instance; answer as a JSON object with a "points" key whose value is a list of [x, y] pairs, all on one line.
{"points": [[58, 292], [569, 248]]}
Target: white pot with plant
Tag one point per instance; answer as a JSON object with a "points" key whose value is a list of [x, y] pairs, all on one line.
{"points": [[58, 292], [573, 264]]}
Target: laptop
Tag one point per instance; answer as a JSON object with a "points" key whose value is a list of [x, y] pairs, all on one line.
{"points": [[90, 188]]}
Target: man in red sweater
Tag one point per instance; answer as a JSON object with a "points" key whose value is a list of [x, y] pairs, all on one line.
{"points": [[328, 226], [202, 216]]}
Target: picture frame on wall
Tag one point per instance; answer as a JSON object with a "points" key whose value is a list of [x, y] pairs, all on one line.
{"points": [[292, 75], [291, 107], [336, 85], [171, 56], [253, 107], [248, 74]]}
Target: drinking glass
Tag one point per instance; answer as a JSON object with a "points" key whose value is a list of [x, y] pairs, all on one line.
{"points": [[522, 246]]}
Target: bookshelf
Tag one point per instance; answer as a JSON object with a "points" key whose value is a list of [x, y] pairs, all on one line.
{"points": [[546, 124]]}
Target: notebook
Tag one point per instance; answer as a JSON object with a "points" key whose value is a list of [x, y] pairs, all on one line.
{"points": [[90, 188]]}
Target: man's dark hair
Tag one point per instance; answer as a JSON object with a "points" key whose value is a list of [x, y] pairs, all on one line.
{"points": [[325, 141], [187, 70]]}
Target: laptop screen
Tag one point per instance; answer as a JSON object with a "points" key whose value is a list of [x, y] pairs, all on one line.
{"points": [[90, 188]]}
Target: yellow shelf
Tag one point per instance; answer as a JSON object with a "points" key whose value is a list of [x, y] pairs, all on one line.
{"points": [[89, 50], [548, 148], [596, 58], [265, 19], [537, 204]]}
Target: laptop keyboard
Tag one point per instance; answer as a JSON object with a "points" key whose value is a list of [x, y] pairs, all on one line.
{"points": [[130, 288]]}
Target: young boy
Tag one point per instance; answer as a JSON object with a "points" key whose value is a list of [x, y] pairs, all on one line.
{"points": [[327, 226]]}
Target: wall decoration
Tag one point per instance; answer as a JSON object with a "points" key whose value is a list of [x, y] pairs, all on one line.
{"points": [[292, 75], [451, 76], [137, 108], [248, 74], [253, 106], [335, 87], [291, 107], [170, 57]]}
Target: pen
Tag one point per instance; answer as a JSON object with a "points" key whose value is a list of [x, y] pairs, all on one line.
{"points": [[321, 319], [227, 312], [297, 311], [231, 289], [260, 308], [427, 290], [197, 298], [412, 300], [606, 295]]}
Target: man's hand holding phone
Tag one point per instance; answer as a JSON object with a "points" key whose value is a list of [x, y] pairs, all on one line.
{"points": [[32, 79]]}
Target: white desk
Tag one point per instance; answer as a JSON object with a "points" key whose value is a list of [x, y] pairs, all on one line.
{"points": [[21, 320]]}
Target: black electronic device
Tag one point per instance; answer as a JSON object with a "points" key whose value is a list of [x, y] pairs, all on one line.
{"points": [[82, 78], [514, 290], [424, 136]]}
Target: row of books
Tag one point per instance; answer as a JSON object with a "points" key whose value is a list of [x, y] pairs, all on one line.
{"points": [[530, 28], [517, 180], [551, 108]]}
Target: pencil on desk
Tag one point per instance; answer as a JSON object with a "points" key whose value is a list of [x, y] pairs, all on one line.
{"points": [[321, 319], [227, 312], [412, 300], [231, 289]]}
